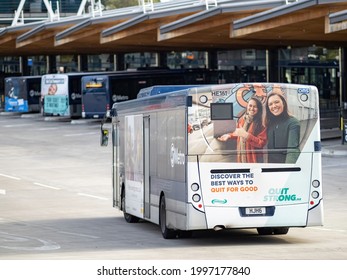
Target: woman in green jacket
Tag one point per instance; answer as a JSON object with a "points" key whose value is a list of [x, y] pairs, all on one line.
{"points": [[283, 131]]}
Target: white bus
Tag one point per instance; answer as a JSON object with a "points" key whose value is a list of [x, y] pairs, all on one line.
{"points": [[210, 177]]}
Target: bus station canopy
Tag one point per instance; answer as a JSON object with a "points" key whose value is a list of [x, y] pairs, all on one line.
{"points": [[185, 25]]}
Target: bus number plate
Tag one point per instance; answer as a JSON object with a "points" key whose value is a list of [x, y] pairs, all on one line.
{"points": [[255, 211]]}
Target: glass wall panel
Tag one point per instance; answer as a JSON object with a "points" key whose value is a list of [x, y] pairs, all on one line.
{"points": [[136, 60], [247, 65], [37, 65], [317, 66], [187, 59], [67, 63], [101, 62]]}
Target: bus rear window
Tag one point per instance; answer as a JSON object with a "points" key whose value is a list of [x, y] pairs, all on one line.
{"points": [[95, 85], [221, 111]]}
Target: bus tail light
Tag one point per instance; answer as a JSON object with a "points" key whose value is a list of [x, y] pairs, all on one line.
{"points": [[315, 194], [196, 197], [315, 183], [195, 187]]}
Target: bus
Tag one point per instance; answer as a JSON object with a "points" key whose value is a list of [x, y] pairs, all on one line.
{"points": [[100, 92], [4, 75], [22, 94], [61, 94], [188, 180]]}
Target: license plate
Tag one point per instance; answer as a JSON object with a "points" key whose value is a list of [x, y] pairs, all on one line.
{"points": [[255, 211]]}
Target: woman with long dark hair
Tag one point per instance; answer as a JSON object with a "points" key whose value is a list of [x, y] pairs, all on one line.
{"points": [[250, 133], [283, 130]]}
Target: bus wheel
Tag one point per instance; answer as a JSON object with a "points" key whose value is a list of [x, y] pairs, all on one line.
{"points": [[128, 217], [166, 232], [281, 230]]}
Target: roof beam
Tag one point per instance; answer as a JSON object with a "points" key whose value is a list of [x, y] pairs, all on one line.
{"points": [[124, 25], [274, 13], [7, 39], [210, 18], [31, 40], [189, 20], [193, 28], [128, 33], [84, 28], [334, 27], [75, 37], [336, 22], [276, 22]]}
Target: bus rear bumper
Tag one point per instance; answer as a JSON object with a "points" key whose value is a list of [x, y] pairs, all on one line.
{"points": [[233, 217]]}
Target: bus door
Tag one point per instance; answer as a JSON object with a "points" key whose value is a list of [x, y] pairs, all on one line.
{"points": [[146, 162], [134, 164], [116, 165]]}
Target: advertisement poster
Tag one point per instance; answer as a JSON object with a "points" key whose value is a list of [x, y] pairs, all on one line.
{"points": [[134, 165], [244, 136], [15, 96], [55, 95], [252, 123]]}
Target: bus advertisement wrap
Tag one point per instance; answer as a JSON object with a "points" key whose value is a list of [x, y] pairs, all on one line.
{"points": [[220, 157], [249, 160], [55, 95], [22, 94]]}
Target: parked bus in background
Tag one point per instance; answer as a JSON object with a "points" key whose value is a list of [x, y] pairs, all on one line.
{"points": [[61, 94], [100, 92], [22, 94], [234, 172], [4, 75]]}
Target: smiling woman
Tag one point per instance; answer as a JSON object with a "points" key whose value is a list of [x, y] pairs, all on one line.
{"points": [[283, 130]]}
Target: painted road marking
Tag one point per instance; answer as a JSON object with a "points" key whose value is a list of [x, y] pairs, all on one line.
{"points": [[11, 177], [80, 234], [80, 134], [16, 125], [93, 196], [47, 128], [21, 242], [46, 186]]}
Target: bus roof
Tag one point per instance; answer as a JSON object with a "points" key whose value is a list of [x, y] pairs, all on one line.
{"points": [[164, 100], [154, 90], [23, 77]]}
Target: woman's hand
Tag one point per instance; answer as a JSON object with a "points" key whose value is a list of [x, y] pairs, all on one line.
{"points": [[224, 137], [241, 132]]}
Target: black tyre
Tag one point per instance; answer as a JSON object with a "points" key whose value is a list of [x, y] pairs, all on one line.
{"points": [[166, 232], [128, 217], [281, 230]]}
